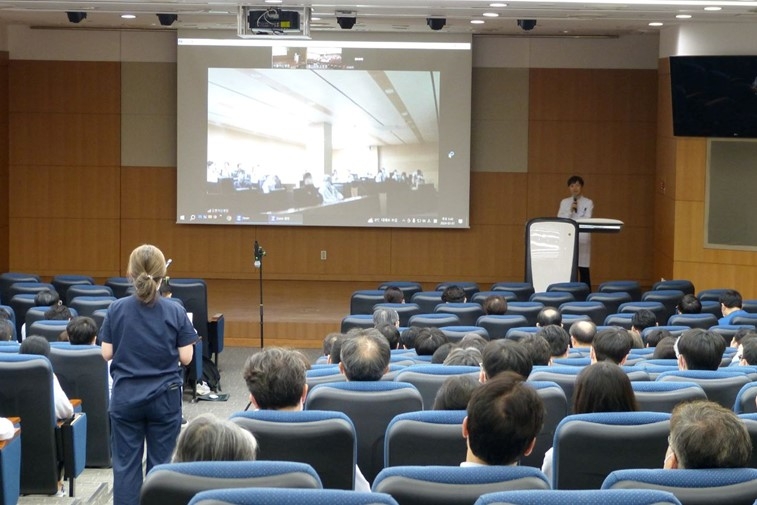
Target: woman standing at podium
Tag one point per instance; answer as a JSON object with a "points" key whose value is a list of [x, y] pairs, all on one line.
{"points": [[577, 206]]}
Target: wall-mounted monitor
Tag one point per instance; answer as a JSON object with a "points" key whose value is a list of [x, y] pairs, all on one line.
{"points": [[341, 132], [714, 96]]}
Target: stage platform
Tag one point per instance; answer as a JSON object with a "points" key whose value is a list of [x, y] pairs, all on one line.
{"points": [[296, 313]]}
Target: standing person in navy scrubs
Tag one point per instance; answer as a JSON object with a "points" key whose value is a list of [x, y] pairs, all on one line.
{"points": [[146, 337]]}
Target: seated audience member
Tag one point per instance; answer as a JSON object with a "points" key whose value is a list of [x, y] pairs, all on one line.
{"points": [[82, 330], [703, 434], [208, 438], [441, 353], [455, 393], [581, 334], [63, 336], [391, 333], [612, 344], [365, 357], [276, 380], [654, 336], [453, 294], [6, 330], [429, 340], [4, 315], [641, 320], [335, 356], [49, 298], [329, 193], [601, 387], [495, 305], [504, 355], [382, 316], [473, 340], [665, 349], [730, 307], [699, 349], [469, 356], [165, 288], [740, 334], [558, 340], [393, 294], [504, 417], [35, 344], [328, 341], [537, 348], [689, 304], [747, 354], [408, 336], [547, 316]]}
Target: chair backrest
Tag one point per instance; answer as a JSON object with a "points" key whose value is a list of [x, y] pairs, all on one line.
{"points": [[427, 300], [371, 406], [50, 329], [750, 320], [670, 298], [563, 376], [10, 469], [20, 304], [721, 386], [121, 286], [746, 398], [623, 320], [456, 333], [363, 300], [556, 408], [427, 379], [675, 331], [408, 288], [356, 321], [324, 440], [481, 296], [447, 485], [83, 374], [584, 497], [552, 298], [595, 310], [720, 486], [521, 332], [31, 399], [527, 309], [633, 288], [579, 290], [750, 420], [588, 447], [659, 310], [430, 437], [684, 285], [523, 290], [65, 281], [702, 320], [7, 279], [434, 320], [177, 483], [194, 294], [498, 326], [663, 396], [86, 290], [711, 295], [611, 301], [470, 288], [467, 312], [271, 496], [404, 310], [87, 305]]}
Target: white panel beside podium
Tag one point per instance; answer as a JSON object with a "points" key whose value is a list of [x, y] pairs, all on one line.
{"points": [[551, 251], [552, 247]]}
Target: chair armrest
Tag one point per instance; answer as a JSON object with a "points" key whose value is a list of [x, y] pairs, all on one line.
{"points": [[4, 443], [216, 317], [76, 404]]}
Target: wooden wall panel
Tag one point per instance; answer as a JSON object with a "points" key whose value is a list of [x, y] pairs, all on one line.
{"points": [[691, 173], [65, 192], [4, 171], [52, 245], [498, 198], [148, 193], [68, 87]]}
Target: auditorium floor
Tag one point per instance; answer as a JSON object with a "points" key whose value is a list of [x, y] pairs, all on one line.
{"points": [[94, 486]]}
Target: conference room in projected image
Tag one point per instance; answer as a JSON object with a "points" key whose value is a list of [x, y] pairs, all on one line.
{"points": [[368, 139]]}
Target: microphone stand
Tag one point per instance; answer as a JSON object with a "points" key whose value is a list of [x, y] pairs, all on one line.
{"points": [[259, 253]]}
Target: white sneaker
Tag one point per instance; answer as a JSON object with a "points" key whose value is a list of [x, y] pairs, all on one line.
{"points": [[202, 389]]}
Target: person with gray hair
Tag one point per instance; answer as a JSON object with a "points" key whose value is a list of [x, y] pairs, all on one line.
{"points": [[582, 334], [469, 356], [382, 316], [365, 356], [703, 434], [208, 438]]}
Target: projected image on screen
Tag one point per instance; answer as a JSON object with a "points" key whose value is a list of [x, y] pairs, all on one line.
{"points": [[316, 140]]}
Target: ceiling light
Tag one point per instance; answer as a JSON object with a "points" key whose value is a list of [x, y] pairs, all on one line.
{"points": [[498, 4], [683, 16], [491, 15], [273, 1], [315, 18], [655, 23], [713, 8], [128, 16], [477, 21]]}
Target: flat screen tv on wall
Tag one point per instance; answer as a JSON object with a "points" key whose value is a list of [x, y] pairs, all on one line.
{"points": [[714, 96]]}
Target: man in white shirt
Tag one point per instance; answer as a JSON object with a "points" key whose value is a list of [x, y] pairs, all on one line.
{"points": [[577, 206]]}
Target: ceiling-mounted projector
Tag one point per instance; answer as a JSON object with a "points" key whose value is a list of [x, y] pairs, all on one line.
{"points": [[254, 21]]}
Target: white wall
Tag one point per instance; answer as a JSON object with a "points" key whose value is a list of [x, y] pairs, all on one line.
{"points": [[709, 39]]}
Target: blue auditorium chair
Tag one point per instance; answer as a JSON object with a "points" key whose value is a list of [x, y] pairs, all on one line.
{"points": [[719, 486], [659, 310], [427, 379], [429, 437], [633, 288], [434, 320], [61, 283], [721, 386], [10, 469], [520, 332], [652, 396], [555, 410], [121, 286], [579, 290], [356, 321], [552, 298], [745, 399], [363, 301], [408, 288], [498, 326], [703, 320], [470, 288], [468, 312], [456, 333], [88, 305], [528, 309], [680, 284], [271, 496], [595, 310], [611, 301], [670, 298], [427, 300], [711, 295], [622, 320], [481, 296], [49, 329], [86, 290], [583, 497], [523, 290], [7, 279]]}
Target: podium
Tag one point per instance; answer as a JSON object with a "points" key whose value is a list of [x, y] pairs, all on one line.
{"points": [[552, 247]]}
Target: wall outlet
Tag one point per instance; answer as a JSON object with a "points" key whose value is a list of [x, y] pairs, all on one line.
{"points": [[323, 255]]}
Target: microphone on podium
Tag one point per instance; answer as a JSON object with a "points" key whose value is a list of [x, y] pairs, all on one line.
{"points": [[575, 204]]}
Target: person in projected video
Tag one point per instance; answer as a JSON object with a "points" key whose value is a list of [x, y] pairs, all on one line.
{"points": [[307, 194], [328, 191], [577, 206]]}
